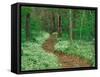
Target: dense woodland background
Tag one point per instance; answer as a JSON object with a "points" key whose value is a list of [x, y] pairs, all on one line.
{"points": [[72, 29]]}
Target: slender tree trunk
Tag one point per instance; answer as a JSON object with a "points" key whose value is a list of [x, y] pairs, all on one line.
{"points": [[54, 29], [93, 29], [44, 20], [74, 23], [70, 25], [52, 22], [28, 27], [82, 23], [59, 26], [49, 22]]}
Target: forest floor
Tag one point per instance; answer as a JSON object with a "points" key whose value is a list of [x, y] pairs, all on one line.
{"points": [[66, 61]]}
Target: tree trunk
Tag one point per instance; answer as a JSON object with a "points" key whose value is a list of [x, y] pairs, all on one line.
{"points": [[52, 22], [74, 23], [82, 23], [59, 26], [28, 27], [70, 25]]}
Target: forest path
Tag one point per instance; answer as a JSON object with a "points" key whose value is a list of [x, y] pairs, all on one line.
{"points": [[67, 61]]}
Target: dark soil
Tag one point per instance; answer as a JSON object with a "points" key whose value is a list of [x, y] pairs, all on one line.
{"points": [[67, 61]]}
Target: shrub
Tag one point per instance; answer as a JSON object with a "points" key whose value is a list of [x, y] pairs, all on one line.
{"points": [[41, 36], [62, 46], [35, 58], [82, 49]]}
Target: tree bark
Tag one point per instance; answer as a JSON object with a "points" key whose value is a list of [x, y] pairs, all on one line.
{"points": [[59, 26], [28, 27], [52, 22], [74, 23], [82, 23], [70, 25]]}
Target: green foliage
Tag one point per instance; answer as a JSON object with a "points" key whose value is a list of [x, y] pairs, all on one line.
{"points": [[42, 24], [82, 49], [25, 11], [40, 36], [62, 46], [35, 58]]}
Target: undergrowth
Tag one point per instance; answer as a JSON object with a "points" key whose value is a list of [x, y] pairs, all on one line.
{"points": [[35, 58], [83, 49]]}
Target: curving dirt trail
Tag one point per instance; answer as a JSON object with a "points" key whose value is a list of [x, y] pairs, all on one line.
{"points": [[67, 61]]}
